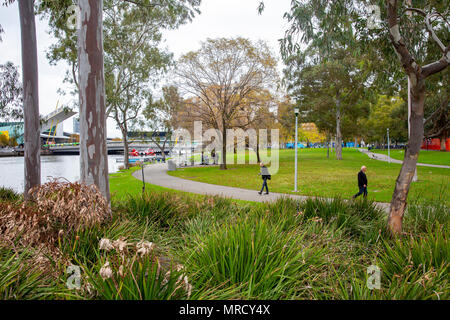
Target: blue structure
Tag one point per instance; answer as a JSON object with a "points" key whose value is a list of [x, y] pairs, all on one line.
{"points": [[15, 130], [291, 145]]}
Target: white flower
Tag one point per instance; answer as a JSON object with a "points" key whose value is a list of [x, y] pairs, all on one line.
{"points": [[144, 247], [106, 271], [188, 286], [120, 244], [105, 244], [121, 271]]}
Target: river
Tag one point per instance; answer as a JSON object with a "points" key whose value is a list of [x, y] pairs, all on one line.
{"points": [[68, 167]]}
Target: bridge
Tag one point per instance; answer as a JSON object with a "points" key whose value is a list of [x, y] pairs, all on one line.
{"points": [[56, 117], [113, 148]]}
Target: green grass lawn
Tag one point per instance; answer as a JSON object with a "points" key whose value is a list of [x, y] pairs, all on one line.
{"points": [[425, 156], [123, 185], [319, 176]]}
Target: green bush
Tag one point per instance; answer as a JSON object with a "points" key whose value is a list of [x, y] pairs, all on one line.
{"points": [[19, 279], [417, 267], [7, 194], [258, 260], [425, 216]]}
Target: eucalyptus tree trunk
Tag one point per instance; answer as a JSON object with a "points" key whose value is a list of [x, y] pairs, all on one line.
{"points": [[93, 149], [417, 75], [338, 130], [32, 130], [404, 179]]}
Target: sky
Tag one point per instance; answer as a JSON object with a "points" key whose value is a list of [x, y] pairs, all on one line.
{"points": [[218, 18]]}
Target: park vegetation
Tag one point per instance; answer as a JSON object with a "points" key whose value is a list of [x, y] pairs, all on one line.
{"points": [[168, 245], [347, 75]]}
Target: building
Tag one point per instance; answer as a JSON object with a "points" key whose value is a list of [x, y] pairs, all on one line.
{"points": [[12, 130]]}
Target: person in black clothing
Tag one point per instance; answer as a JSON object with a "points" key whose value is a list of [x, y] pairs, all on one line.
{"points": [[265, 176], [362, 183]]}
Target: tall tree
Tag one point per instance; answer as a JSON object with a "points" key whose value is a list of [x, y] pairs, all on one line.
{"points": [[321, 21], [162, 116], [132, 61], [220, 75], [93, 149], [417, 75], [385, 113], [32, 128], [331, 92], [133, 31]]}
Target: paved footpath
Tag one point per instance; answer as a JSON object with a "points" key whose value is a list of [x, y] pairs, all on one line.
{"points": [[383, 157], [157, 174]]}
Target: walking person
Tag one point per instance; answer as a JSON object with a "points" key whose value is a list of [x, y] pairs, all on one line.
{"points": [[265, 176], [362, 183]]}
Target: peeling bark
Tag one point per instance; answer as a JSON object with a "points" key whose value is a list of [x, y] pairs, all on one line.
{"points": [[32, 142], [93, 149]]}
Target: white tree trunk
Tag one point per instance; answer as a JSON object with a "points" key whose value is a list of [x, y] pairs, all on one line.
{"points": [[93, 149]]}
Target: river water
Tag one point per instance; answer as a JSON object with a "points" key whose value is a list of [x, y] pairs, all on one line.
{"points": [[68, 167]]}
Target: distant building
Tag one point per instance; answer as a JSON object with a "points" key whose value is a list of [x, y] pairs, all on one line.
{"points": [[12, 130]]}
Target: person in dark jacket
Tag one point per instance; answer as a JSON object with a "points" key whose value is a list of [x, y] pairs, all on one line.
{"points": [[362, 183], [265, 176]]}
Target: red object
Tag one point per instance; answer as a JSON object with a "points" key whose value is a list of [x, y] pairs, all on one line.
{"points": [[150, 152], [134, 153], [435, 144]]}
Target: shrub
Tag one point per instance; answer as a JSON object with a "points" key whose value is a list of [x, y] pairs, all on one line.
{"points": [[164, 209], [417, 267], [7, 194], [426, 216], [360, 219], [57, 209], [259, 261], [19, 279], [132, 271]]}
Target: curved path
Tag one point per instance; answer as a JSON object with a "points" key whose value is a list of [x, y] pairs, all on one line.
{"points": [[383, 157], [157, 174]]}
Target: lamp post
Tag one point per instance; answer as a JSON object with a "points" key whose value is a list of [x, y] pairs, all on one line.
{"points": [[296, 110], [389, 147]]}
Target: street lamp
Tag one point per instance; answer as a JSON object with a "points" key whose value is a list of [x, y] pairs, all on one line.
{"points": [[296, 110], [389, 147]]}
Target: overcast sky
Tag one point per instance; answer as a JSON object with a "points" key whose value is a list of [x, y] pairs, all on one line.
{"points": [[218, 18]]}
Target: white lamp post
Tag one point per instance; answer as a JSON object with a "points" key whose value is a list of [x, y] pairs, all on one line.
{"points": [[296, 110], [389, 147]]}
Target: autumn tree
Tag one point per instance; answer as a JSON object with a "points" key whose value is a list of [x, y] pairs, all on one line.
{"points": [[256, 113], [220, 76]]}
